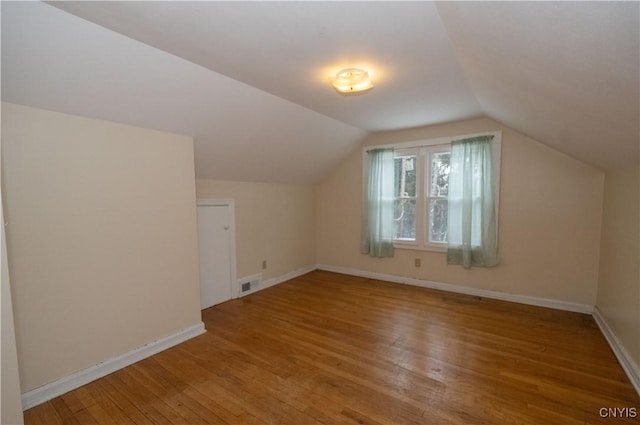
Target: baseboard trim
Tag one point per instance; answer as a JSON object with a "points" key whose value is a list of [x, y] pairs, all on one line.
{"points": [[624, 358], [629, 366], [288, 276], [71, 382], [264, 284], [467, 290]]}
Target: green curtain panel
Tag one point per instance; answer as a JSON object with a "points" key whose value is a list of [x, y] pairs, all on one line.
{"points": [[377, 205], [472, 235]]}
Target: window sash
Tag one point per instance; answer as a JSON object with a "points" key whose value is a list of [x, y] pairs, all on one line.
{"points": [[424, 156], [428, 153], [400, 153]]}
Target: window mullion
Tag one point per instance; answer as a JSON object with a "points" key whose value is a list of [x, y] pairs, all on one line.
{"points": [[424, 213]]}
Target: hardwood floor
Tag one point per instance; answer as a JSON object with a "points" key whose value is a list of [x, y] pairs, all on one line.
{"points": [[334, 349]]}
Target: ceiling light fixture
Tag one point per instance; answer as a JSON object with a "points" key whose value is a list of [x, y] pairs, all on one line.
{"points": [[351, 80]]}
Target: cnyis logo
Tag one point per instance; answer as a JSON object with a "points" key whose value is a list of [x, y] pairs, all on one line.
{"points": [[618, 412]]}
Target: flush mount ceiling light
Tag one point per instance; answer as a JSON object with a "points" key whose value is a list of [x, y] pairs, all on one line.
{"points": [[351, 80]]}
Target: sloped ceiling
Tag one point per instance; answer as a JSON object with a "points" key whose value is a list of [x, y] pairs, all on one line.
{"points": [[57, 61], [249, 79], [564, 73]]}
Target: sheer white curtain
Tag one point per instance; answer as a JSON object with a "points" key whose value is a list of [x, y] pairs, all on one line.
{"points": [[472, 235], [377, 204]]}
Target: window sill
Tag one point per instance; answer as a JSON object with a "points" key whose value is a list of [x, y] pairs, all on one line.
{"points": [[410, 247]]}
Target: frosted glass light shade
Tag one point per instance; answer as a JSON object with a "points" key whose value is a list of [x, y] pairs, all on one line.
{"points": [[351, 80]]}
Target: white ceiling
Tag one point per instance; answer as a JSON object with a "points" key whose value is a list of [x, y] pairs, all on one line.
{"points": [[249, 79], [57, 61], [565, 73], [289, 49]]}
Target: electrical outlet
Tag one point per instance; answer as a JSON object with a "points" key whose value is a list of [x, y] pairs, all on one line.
{"points": [[264, 264], [416, 262]]}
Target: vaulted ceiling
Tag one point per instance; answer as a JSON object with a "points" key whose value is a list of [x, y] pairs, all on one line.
{"points": [[249, 79]]}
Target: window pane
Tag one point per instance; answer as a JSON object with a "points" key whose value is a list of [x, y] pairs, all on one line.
{"points": [[405, 219], [440, 174], [438, 220], [405, 176]]}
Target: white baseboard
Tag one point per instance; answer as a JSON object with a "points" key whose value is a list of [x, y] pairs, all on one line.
{"points": [[467, 290], [63, 385], [624, 358], [71, 382], [288, 276], [626, 361], [276, 280]]}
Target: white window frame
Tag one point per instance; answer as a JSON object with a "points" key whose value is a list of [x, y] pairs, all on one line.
{"points": [[426, 153], [419, 183], [423, 150]]}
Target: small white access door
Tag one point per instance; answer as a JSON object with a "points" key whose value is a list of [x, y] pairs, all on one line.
{"points": [[216, 240]]}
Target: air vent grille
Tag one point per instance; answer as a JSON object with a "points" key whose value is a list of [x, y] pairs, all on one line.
{"points": [[249, 284]]}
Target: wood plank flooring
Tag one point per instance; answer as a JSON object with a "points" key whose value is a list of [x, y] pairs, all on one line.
{"points": [[327, 348]]}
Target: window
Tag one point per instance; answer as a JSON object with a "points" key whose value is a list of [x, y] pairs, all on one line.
{"points": [[421, 183], [421, 189], [437, 191], [405, 196]]}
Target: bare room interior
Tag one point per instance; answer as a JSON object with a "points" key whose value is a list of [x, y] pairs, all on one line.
{"points": [[320, 212]]}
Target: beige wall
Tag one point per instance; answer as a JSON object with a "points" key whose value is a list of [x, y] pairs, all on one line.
{"points": [[274, 222], [549, 229], [619, 287], [102, 239], [102, 235], [10, 401]]}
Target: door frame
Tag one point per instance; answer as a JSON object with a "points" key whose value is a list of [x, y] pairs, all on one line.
{"points": [[230, 203]]}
